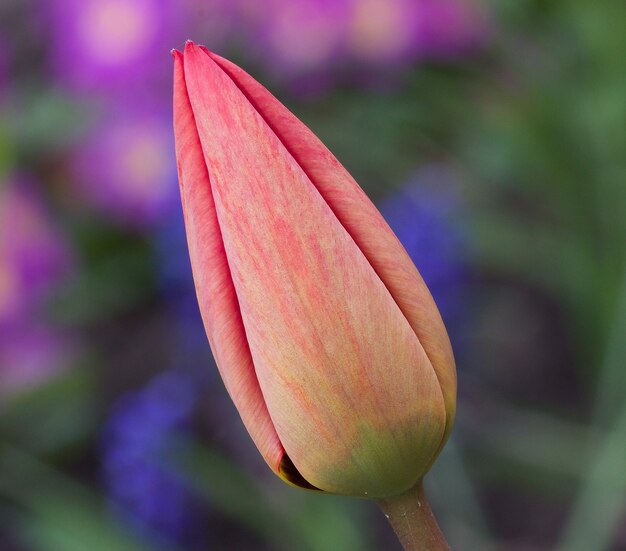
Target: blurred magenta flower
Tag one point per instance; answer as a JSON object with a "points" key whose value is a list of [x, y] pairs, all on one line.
{"points": [[126, 169], [34, 256], [104, 44], [448, 29], [324, 332]]}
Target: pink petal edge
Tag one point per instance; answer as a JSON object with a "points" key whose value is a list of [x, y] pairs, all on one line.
{"points": [[214, 287]]}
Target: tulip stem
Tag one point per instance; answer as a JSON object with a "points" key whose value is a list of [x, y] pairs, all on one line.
{"points": [[412, 519]]}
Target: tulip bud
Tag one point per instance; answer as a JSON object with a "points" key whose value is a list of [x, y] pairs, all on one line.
{"points": [[324, 333]]}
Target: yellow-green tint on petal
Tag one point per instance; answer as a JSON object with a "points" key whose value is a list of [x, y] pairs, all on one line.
{"points": [[382, 461]]}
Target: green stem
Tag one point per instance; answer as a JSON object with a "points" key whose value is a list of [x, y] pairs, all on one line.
{"points": [[413, 521]]}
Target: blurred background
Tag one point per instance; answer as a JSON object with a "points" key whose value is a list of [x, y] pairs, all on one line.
{"points": [[492, 135]]}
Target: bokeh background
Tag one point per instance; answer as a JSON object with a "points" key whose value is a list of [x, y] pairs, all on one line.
{"points": [[492, 136]]}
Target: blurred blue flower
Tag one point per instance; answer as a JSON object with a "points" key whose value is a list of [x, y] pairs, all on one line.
{"points": [[425, 215], [176, 287], [140, 437]]}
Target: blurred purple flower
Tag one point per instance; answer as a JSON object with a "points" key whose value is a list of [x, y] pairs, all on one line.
{"points": [[308, 44], [34, 257], [107, 44], [382, 31], [447, 29], [424, 215], [299, 38], [126, 168], [31, 354], [398, 31], [143, 431]]}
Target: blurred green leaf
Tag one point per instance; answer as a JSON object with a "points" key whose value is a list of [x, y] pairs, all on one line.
{"points": [[463, 520], [298, 521], [533, 449], [59, 514], [53, 416], [382, 136], [6, 149], [117, 274], [602, 496], [46, 121], [600, 504]]}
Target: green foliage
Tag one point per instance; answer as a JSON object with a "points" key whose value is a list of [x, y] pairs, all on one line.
{"points": [[55, 512], [292, 518]]}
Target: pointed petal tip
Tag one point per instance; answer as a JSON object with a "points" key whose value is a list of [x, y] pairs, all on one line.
{"points": [[175, 54], [191, 46]]}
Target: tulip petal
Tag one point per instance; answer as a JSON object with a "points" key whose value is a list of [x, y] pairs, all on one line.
{"points": [[335, 357], [364, 223], [214, 286]]}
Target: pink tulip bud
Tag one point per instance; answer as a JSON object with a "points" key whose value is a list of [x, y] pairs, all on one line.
{"points": [[325, 335]]}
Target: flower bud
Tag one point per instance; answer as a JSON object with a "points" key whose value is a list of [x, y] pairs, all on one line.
{"points": [[325, 335]]}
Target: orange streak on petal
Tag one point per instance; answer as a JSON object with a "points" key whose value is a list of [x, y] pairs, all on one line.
{"points": [[216, 294]]}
